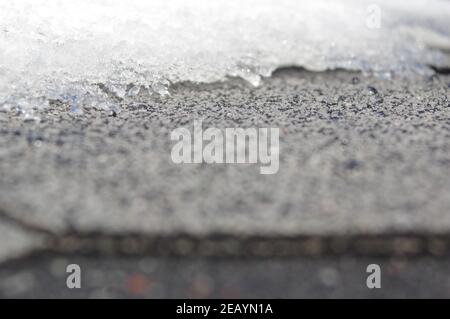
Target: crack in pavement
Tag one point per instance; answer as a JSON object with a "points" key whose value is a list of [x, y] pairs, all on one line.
{"points": [[24, 224], [99, 243]]}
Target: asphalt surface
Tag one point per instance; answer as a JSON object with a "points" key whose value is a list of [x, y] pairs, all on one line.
{"points": [[358, 156], [147, 277]]}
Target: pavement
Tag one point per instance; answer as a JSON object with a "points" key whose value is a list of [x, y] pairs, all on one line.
{"points": [[362, 160], [169, 277]]}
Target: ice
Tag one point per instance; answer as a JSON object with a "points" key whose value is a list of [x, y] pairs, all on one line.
{"points": [[101, 52]]}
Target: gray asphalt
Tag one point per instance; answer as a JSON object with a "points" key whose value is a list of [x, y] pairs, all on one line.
{"points": [[147, 277], [358, 155]]}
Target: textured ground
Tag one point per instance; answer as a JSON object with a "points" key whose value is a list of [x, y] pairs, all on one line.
{"points": [[343, 277], [358, 155]]}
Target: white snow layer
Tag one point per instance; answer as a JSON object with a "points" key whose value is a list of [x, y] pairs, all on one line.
{"points": [[82, 51]]}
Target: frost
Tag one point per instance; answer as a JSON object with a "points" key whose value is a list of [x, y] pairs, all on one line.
{"points": [[97, 53]]}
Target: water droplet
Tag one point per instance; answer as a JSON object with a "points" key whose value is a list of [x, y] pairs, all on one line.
{"points": [[372, 90]]}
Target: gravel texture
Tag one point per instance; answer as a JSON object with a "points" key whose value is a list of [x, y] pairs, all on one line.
{"points": [[358, 156]]}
